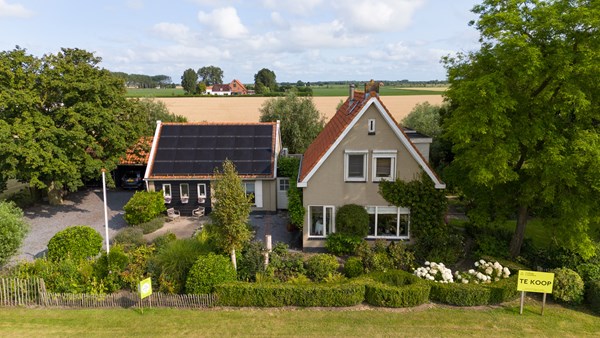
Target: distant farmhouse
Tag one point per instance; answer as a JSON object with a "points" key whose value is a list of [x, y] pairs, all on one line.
{"points": [[233, 88]]}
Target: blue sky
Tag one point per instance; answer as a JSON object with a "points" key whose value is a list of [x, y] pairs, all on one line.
{"points": [[308, 40]]}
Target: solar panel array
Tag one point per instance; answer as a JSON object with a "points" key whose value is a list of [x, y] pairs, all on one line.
{"points": [[193, 149]]}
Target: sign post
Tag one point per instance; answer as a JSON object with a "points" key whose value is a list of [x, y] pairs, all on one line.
{"points": [[145, 290], [534, 281]]}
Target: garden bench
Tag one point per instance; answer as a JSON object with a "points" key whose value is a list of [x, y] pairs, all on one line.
{"points": [[173, 214]]}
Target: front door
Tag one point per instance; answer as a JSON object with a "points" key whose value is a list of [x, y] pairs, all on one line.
{"points": [[283, 185]]}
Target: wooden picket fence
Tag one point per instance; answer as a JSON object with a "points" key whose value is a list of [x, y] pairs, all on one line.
{"points": [[31, 292]]}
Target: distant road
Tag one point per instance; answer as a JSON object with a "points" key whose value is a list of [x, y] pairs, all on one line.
{"points": [[246, 109]]}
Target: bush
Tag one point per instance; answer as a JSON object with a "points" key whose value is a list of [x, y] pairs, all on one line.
{"points": [[593, 296], [353, 267], [152, 225], [460, 294], [108, 268], [320, 266], [352, 220], [492, 240], [251, 261], [208, 271], [173, 262], [77, 242], [144, 206], [401, 257], [284, 264], [340, 244], [162, 240], [439, 244], [503, 290], [64, 276], [568, 286], [277, 294], [130, 238], [374, 258], [396, 288], [589, 272], [13, 229]]}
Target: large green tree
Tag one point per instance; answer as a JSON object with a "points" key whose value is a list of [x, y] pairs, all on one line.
{"points": [[301, 122], [526, 113], [154, 110], [230, 211], [189, 81], [62, 119], [211, 75], [265, 81]]}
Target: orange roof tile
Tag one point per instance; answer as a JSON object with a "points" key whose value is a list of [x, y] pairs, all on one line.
{"points": [[139, 153]]}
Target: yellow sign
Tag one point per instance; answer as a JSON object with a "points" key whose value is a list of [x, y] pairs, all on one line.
{"points": [[534, 281], [145, 288]]}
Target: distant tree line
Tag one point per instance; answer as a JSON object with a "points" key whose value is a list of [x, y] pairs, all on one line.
{"points": [[145, 81]]}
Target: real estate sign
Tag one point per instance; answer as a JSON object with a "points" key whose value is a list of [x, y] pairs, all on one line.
{"points": [[145, 288], [535, 281]]}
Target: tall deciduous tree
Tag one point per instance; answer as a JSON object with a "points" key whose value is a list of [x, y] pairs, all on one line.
{"points": [[189, 81], [231, 211], [526, 121], [211, 75], [265, 81], [301, 122], [63, 119]]}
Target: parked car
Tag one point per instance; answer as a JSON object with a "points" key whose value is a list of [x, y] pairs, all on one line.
{"points": [[132, 180]]}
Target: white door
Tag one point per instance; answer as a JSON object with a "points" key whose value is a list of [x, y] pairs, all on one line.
{"points": [[283, 185]]}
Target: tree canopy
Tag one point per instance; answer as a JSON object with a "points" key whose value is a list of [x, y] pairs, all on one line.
{"points": [[211, 75], [264, 81], [63, 119], [301, 122], [526, 114], [189, 81]]}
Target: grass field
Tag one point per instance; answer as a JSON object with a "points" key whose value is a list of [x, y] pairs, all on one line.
{"points": [[425, 321]]}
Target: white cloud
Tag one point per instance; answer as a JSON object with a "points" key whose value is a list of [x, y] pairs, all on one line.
{"points": [[301, 7], [323, 35], [172, 31], [393, 52], [135, 4], [223, 22], [14, 10], [278, 20], [378, 15]]}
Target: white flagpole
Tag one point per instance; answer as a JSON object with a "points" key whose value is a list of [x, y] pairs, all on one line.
{"points": [[105, 208]]}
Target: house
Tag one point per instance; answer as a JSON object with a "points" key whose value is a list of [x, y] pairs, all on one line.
{"points": [[184, 157], [237, 88], [359, 147], [135, 159], [219, 89]]}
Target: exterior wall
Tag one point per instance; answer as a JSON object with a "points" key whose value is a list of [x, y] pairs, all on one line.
{"points": [[185, 208], [328, 187], [269, 194], [423, 149]]}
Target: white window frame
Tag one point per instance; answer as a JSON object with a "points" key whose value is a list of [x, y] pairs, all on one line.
{"points": [[324, 211], [399, 211], [166, 195], [347, 155], [391, 154], [201, 196], [258, 196], [185, 198]]}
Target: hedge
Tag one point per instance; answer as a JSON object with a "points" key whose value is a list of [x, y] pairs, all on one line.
{"points": [[278, 294], [593, 296], [396, 288], [474, 294]]}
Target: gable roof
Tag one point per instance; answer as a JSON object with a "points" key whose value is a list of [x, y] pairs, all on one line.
{"points": [[194, 150], [237, 86], [220, 88], [340, 124], [139, 153]]}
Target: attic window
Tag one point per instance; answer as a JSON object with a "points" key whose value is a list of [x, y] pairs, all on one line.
{"points": [[371, 126]]}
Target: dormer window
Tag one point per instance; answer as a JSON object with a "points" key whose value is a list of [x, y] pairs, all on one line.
{"points": [[371, 123]]}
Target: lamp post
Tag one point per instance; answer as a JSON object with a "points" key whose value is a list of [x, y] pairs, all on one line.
{"points": [[105, 209]]}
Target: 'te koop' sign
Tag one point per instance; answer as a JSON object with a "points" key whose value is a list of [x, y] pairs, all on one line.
{"points": [[534, 281]]}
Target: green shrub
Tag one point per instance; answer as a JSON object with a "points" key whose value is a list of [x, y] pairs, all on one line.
{"points": [[208, 271], [251, 261], [491, 240], [320, 266], [568, 286], [460, 294], [593, 296], [352, 220], [589, 272], [277, 294], [374, 258], [353, 267], [129, 238], [13, 229], [138, 267], [162, 240], [402, 258], [341, 244], [144, 206], [77, 242], [296, 210], [284, 264], [108, 268], [439, 244], [63, 276], [173, 262], [24, 198], [396, 288], [152, 225]]}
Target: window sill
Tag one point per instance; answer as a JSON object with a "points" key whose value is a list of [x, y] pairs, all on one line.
{"points": [[388, 237], [316, 237]]}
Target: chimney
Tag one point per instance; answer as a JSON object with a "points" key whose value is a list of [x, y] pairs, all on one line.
{"points": [[352, 92]]}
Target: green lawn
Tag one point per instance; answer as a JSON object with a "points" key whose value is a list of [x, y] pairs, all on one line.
{"points": [[543, 234], [154, 92], [425, 321]]}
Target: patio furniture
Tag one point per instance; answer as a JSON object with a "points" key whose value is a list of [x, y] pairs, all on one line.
{"points": [[173, 214], [198, 212]]}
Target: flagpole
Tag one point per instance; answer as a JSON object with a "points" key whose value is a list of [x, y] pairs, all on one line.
{"points": [[105, 209]]}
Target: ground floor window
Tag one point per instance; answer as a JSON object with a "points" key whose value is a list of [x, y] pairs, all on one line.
{"points": [[250, 189], [166, 188], [321, 221], [388, 222], [184, 191]]}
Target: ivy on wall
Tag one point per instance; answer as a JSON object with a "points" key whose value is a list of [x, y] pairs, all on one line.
{"points": [[288, 167]]}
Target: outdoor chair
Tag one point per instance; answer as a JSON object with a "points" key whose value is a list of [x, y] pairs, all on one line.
{"points": [[173, 214], [198, 212]]}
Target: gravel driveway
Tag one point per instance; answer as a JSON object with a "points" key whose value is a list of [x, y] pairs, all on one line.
{"points": [[85, 207]]}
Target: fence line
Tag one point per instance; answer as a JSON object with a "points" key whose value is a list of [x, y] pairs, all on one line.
{"points": [[28, 292]]}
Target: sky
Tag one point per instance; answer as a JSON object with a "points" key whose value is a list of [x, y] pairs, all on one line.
{"points": [[307, 40]]}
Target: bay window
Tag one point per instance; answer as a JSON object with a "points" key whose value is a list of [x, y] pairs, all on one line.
{"points": [[388, 222]]}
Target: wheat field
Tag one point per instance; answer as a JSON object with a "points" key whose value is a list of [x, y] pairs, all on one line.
{"points": [[247, 109]]}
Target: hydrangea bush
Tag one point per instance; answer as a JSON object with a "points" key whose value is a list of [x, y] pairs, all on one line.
{"points": [[484, 272]]}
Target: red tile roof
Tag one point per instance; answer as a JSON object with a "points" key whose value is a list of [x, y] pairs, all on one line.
{"points": [[139, 153]]}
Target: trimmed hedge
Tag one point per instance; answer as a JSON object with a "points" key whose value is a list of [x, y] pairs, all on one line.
{"points": [[76, 242], [474, 294], [278, 294], [396, 288]]}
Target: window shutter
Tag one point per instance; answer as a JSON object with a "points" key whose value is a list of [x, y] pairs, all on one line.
{"points": [[258, 194]]}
